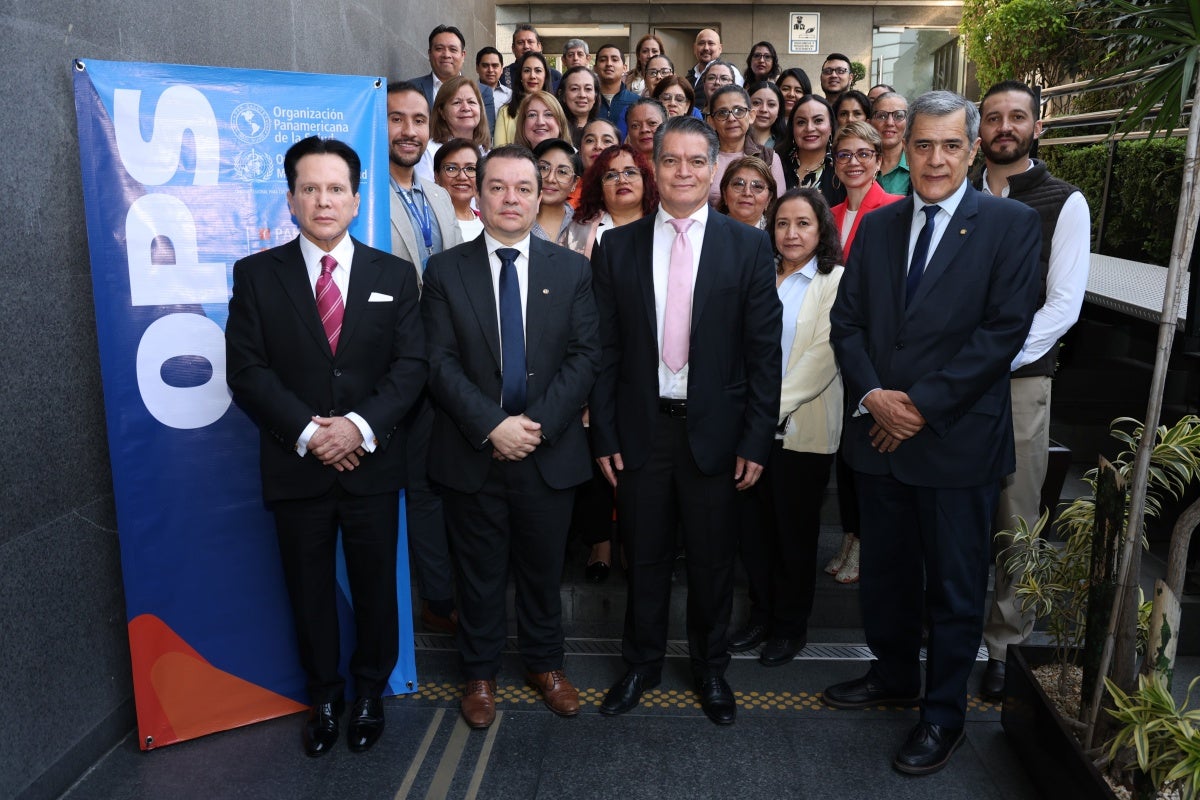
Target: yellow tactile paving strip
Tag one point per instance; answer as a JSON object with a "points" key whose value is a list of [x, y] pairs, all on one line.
{"points": [[512, 697]]}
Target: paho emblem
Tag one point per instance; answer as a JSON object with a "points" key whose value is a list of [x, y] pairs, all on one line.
{"points": [[250, 123]]}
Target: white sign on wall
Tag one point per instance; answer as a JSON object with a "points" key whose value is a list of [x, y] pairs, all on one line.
{"points": [[804, 32]]}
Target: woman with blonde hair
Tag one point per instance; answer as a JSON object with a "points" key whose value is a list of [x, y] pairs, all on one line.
{"points": [[530, 72], [457, 113], [540, 117]]}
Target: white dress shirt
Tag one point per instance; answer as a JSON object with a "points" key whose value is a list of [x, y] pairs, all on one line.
{"points": [[673, 384], [1066, 279], [343, 254], [522, 265]]}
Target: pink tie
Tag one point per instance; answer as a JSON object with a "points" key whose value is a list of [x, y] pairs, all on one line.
{"points": [[329, 302], [677, 319]]}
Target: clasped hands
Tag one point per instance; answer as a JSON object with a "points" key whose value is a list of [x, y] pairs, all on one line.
{"points": [[514, 438], [337, 443], [896, 418]]}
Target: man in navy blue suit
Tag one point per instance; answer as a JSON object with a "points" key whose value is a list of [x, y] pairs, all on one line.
{"points": [[935, 303], [447, 51]]}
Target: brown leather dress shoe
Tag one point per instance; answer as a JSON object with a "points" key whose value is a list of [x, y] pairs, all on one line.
{"points": [[559, 695], [479, 703], [436, 622]]}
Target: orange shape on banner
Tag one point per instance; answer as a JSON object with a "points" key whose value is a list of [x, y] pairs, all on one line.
{"points": [[179, 695]]}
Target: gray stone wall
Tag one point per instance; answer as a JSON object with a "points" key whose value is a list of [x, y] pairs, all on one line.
{"points": [[64, 657]]}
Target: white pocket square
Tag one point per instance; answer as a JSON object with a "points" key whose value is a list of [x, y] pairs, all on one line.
{"points": [[376, 297]]}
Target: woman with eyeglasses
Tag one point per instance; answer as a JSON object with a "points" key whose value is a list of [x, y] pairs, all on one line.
{"points": [[454, 167], [747, 189], [782, 522], [540, 118], [579, 95], [558, 166], [766, 126], [852, 106], [762, 64], [647, 48], [529, 71], [804, 148], [729, 116], [618, 188], [718, 75], [889, 116], [856, 151], [676, 95], [657, 68]]}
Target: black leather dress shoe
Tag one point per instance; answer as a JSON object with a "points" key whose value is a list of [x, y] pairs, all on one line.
{"points": [[747, 638], [321, 728], [928, 749], [991, 688], [866, 692], [596, 572], [777, 652], [626, 693], [716, 698], [366, 723]]}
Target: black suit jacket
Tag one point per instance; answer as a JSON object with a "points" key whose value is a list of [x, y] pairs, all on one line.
{"points": [[562, 353], [950, 349], [282, 372], [425, 82], [735, 357]]}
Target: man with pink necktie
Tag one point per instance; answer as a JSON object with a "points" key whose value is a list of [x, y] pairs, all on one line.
{"points": [[685, 406], [326, 353]]}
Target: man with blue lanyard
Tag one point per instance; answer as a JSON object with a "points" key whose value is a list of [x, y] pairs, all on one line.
{"points": [[422, 224]]}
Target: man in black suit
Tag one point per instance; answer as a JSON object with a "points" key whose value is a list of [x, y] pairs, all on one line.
{"points": [[684, 410], [447, 52], [513, 353], [934, 305], [325, 352]]}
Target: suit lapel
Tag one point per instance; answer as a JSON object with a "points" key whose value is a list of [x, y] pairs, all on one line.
{"points": [[476, 273], [403, 228], [897, 244], [958, 230], [364, 276], [643, 253], [293, 276], [710, 264]]}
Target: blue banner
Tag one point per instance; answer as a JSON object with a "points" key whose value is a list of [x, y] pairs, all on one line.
{"points": [[182, 176]]}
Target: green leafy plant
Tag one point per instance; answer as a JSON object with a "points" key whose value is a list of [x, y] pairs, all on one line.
{"points": [[1164, 739], [1024, 39], [858, 71]]}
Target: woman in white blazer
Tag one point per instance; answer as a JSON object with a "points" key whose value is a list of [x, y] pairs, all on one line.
{"points": [[779, 546]]}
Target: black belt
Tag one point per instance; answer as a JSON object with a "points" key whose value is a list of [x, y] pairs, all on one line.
{"points": [[676, 409]]}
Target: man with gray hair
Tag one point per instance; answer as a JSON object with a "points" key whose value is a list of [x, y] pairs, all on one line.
{"points": [[575, 53], [684, 409], [935, 304]]}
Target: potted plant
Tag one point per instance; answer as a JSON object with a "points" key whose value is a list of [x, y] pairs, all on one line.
{"points": [[1157, 742]]}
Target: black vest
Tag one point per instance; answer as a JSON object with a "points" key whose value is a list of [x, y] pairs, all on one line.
{"points": [[1045, 194]]}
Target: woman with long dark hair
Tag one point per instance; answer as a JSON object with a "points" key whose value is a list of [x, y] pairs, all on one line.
{"points": [[530, 73], [778, 540], [579, 95], [766, 105], [762, 64], [804, 149], [793, 84]]}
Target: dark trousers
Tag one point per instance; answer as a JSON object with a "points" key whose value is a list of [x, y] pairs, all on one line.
{"points": [[651, 501], [515, 520], [307, 531], [847, 497], [592, 519], [423, 511], [932, 547], [778, 543]]}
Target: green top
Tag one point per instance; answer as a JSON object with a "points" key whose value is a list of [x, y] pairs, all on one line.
{"points": [[897, 181]]}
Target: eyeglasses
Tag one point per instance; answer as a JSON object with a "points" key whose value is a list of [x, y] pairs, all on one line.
{"points": [[834, 71], [737, 112], [897, 116], [659, 73], [454, 169], [672, 98], [630, 174], [741, 185], [562, 174], [715, 78], [761, 56], [844, 156]]}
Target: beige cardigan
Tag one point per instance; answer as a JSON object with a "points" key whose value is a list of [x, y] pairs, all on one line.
{"points": [[811, 395]]}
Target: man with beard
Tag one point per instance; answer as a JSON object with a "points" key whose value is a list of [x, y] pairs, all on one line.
{"points": [[1008, 127], [422, 224]]}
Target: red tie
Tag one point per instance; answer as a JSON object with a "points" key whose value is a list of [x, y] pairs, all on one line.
{"points": [[329, 302]]}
